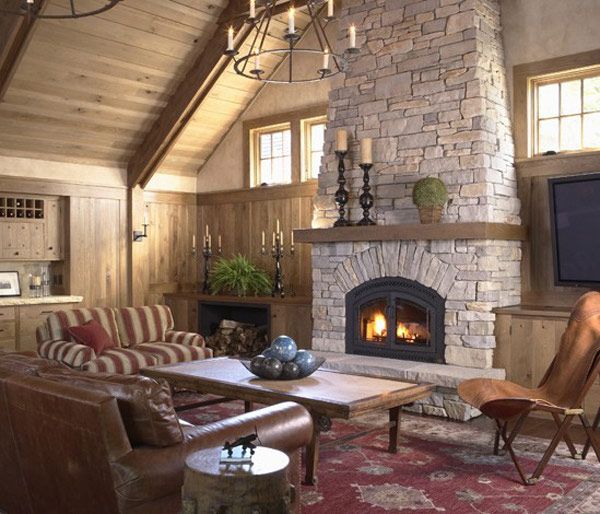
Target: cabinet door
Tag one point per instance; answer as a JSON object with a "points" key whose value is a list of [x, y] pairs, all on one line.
{"points": [[294, 321], [16, 241], [37, 240], [31, 317], [54, 230]]}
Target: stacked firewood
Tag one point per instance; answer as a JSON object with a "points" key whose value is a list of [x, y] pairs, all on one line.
{"points": [[237, 339]]}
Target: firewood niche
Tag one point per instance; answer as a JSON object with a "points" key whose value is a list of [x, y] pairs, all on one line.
{"points": [[238, 339]]}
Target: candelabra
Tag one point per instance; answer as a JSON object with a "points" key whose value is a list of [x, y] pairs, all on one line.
{"points": [[366, 198], [207, 252], [341, 195], [278, 253]]}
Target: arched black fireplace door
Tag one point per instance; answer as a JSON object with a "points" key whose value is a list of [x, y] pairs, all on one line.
{"points": [[396, 318]]}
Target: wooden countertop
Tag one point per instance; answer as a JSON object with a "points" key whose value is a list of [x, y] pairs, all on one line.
{"points": [[240, 299], [537, 311], [412, 231], [46, 300]]}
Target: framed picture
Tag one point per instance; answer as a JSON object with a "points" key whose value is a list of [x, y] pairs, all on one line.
{"points": [[9, 284]]}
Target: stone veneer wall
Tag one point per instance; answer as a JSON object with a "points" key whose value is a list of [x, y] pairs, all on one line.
{"points": [[472, 276], [429, 87]]}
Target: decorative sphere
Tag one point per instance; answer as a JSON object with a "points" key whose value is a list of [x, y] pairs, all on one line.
{"points": [[267, 353], [305, 361], [290, 371], [271, 368], [284, 348], [257, 363]]}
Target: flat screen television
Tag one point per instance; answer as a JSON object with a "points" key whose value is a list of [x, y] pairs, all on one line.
{"points": [[575, 226]]}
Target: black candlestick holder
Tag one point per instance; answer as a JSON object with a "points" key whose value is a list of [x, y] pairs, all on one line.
{"points": [[366, 198], [341, 195], [207, 252], [278, 253]]}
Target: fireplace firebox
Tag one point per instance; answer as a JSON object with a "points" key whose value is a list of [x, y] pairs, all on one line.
{"points": [[396, 318]]}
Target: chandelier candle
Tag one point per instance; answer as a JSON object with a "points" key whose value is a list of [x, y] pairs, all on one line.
{"points": [[230, 39], [291, 26]]}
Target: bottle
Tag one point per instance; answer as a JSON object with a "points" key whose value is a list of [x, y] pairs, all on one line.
{"points": [[45, 282]]}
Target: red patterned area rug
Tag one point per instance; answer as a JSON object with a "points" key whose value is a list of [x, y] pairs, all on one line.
{"points": [[442, 467]]}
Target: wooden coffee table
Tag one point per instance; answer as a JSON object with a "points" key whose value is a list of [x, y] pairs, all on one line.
{"points": [[327, 394]]}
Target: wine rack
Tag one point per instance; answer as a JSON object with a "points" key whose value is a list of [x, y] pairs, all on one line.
{"points": [[13, 207]]}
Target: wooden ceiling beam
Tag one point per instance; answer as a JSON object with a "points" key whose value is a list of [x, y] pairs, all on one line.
{"points": [[194, 88], [15, 35]]}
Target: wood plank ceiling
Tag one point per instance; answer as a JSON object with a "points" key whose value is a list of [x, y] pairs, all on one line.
{"points": [[88, 90]]}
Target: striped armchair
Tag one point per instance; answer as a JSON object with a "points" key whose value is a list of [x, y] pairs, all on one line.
{"points": [[143, 337]]}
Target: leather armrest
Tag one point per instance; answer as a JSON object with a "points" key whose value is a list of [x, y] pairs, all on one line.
{"points": [[147, 474], [72, 354]]}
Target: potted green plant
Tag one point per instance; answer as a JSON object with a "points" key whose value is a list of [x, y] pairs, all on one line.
{"points": [[239, 276], [430, 196]]}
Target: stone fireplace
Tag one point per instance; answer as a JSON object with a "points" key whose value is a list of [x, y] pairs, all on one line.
{"points": [[396, 318], [429, 87]]}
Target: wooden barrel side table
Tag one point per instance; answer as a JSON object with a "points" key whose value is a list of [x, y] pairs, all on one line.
{"points": [[262, 487]]}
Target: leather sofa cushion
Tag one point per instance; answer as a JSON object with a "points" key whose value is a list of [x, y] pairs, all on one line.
{"points": [[92, 334], [145, 405], [17, 364]]}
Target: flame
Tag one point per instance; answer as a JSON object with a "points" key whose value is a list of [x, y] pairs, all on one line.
{"points": [[380, 325], [402, 331]]}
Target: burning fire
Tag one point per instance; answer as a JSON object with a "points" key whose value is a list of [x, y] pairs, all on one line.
{"points": [[376, 330]]}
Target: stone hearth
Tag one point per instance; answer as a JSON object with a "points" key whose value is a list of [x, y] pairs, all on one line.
{"points": [[429, 87]]}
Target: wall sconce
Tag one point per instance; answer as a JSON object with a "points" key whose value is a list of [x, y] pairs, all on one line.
{"points": [[139, 235]]}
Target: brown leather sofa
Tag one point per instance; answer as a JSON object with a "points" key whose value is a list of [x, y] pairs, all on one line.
{"points": [[66, 448]]}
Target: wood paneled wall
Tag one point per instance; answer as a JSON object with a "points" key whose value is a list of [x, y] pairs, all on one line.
{"points": [[241, 216], [537, 266], [163, 261]]}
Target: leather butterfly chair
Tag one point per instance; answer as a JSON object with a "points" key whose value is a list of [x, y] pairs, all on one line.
{"points": [[561, 391]]}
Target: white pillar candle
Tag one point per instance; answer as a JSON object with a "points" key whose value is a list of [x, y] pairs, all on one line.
{"points": [[341, 140], [146, 217], [230, 39], [326, 59], [330, 8], [366, 151], [291, 26], [252, 8], [352, 36]]}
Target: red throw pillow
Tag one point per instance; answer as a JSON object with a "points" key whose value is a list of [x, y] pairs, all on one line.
{"points": [[92, 334]]}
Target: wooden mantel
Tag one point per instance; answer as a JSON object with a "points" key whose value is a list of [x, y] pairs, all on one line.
{"points": [[411, 231]]}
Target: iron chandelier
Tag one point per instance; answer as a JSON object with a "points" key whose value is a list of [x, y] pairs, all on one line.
{"points": [[328, 64], [31, 8]]}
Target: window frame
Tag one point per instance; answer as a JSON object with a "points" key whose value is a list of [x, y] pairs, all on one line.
{"points": [[295, 119], [523, 104], [559, 78], [255, 135], [307, 149]]}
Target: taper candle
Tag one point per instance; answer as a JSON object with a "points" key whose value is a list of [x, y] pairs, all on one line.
{"points": [[292, 238], [230, 39], [291, 26], [352, 36], [194, 241], [366, 151], [257, 60], [341, 140], [326, 59], [252, 8], [330, 8], [206, 230], [278, 230], [263, 238], [281, 238], [209, 241], [273, 239], [220, 241]]}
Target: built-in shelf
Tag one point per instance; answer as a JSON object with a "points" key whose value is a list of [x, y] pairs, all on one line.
{"points": [[412, 231]]}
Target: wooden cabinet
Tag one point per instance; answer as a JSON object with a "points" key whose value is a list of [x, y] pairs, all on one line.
{"points": [[35, 237], [294, 320], [18, 324]]}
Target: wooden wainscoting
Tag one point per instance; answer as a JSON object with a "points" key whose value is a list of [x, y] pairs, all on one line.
{"points": [[241, 216]]}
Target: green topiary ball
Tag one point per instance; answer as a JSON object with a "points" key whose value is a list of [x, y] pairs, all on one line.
{"points": [[430, 192]]}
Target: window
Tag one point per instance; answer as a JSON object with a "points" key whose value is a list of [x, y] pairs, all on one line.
{"points": [[285, 148], [313, 131], [273, 154], [566, 112]]}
